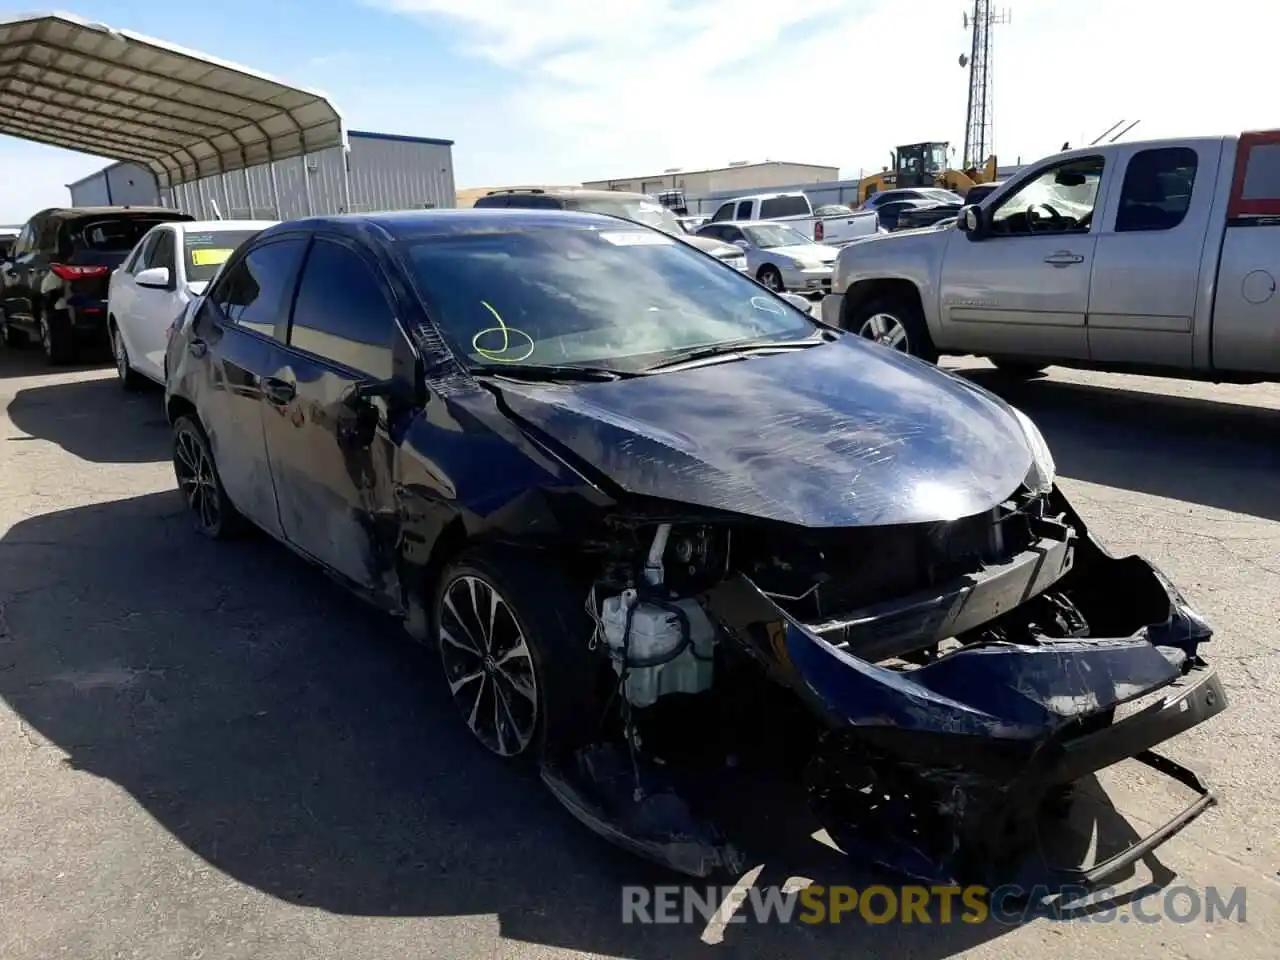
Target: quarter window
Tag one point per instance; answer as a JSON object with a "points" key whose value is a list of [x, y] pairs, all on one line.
{"points": [[342, 312], [255, 291], [1157, 189]]}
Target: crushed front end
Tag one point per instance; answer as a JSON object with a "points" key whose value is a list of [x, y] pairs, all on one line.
{"points": [[961, 674]]}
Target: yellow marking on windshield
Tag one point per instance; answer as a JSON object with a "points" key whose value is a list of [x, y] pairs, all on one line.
{"points": [[504, 353], [209, 256]]}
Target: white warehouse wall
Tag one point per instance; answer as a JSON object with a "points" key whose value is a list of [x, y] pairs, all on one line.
{"points": [[385, 172]]}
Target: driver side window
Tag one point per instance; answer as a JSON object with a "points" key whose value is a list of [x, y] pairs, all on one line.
{"points": [[1059, 200]]}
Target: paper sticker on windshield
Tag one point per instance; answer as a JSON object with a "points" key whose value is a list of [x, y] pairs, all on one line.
{"points": [[635, 238], [210, 256]]}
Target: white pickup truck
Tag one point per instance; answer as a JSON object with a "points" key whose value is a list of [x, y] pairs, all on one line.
{"points": [[832, 224], [1158, 257]]}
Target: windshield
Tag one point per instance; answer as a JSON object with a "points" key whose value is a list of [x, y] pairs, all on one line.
{"points": [[641, 210], [207, 250], [942, 196], [769, 236], [602, 296]]}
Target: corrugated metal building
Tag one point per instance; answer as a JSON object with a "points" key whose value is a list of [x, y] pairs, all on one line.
{"points": [[741, 177], [384, 172]]}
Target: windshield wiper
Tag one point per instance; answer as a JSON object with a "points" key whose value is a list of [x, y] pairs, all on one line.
{"points": [[736, 348], [550, 371]]}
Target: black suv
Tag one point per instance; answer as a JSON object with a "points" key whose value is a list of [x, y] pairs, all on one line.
{"points": [[56, 276]]}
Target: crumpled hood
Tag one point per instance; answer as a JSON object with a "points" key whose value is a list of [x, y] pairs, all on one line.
{"points": [[843, 434]]}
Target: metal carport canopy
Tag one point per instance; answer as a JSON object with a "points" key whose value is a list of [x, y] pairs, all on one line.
{"points": [[84, 86]]}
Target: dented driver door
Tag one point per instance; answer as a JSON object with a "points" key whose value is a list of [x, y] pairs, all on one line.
{"points": [[331, 455]]}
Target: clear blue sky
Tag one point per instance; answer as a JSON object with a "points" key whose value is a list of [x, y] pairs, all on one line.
{"points": [[558, 91]]}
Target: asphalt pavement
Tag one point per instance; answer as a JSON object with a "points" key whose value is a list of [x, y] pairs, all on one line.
{"points": [[207, 750]]}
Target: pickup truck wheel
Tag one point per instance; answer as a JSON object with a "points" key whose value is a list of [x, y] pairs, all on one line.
{"points": [[896, 323], [1019, 368], [771, 278]]}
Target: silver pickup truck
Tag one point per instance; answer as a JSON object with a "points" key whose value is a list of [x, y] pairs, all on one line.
{"points": [[831, 224], [1157, 257]]}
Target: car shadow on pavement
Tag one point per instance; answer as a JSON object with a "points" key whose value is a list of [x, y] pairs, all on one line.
{"points": [[1223, 455], [94, 420], [293, 739]]}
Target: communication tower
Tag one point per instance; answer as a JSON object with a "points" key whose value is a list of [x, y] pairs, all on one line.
{"points": [[979, 141]]}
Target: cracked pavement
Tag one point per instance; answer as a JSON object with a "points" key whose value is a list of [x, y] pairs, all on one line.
{"points": [[209, 751]]}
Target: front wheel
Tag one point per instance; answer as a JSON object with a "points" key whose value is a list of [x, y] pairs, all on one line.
{"points": [[515, 646], [895, 322], [769, 276], [198, 480]]}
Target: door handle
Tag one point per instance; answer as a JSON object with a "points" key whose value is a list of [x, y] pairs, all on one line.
{"points": [[279, 391], [1064, 258], [197, 348]]}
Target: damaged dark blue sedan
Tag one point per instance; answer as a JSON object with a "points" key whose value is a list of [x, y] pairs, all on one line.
{"points": [[654, 517]]}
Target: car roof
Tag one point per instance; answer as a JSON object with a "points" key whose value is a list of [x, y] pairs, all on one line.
{"points": [[750, 223], [416, 224], [577, 193], [195, 226], [70, 212]]}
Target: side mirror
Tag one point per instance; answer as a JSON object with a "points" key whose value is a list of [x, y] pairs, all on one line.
{"points": [[155, 277], [797, 301], [741, 243], [971, 221]]}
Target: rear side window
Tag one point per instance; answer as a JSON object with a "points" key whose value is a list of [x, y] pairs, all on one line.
{"points": [[342, 313], [110, 235], [784, 207], [255, 292], [1157, 189], [1255, 186], [744, 210]]}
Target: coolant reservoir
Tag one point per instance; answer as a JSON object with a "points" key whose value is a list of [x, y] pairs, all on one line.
{"points": [[656, 632]]}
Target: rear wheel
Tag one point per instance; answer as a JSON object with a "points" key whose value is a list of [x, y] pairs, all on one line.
{"points": [[55, 340], [130, 379], [514, 644], [895, 322], [770, 277], [199, 483]]}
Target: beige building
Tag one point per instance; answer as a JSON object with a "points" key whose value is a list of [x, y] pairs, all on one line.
{"points": [[745, 177]]}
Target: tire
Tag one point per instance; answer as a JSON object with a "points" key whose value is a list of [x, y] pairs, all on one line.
{"points": [[769, 276], [197, 476], [896, 322], [539, 605], [1025, 370], [55, 340], [130, 380], [13, 337]]}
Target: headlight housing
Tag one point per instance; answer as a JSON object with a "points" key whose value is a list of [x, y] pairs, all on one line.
{"points": [[1044, 471]]}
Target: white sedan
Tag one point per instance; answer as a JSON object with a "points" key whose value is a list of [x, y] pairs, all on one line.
{"points": [[171, 264], [778, 256]]}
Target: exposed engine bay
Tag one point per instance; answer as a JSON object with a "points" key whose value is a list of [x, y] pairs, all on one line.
{"points": [[943, 684]]}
